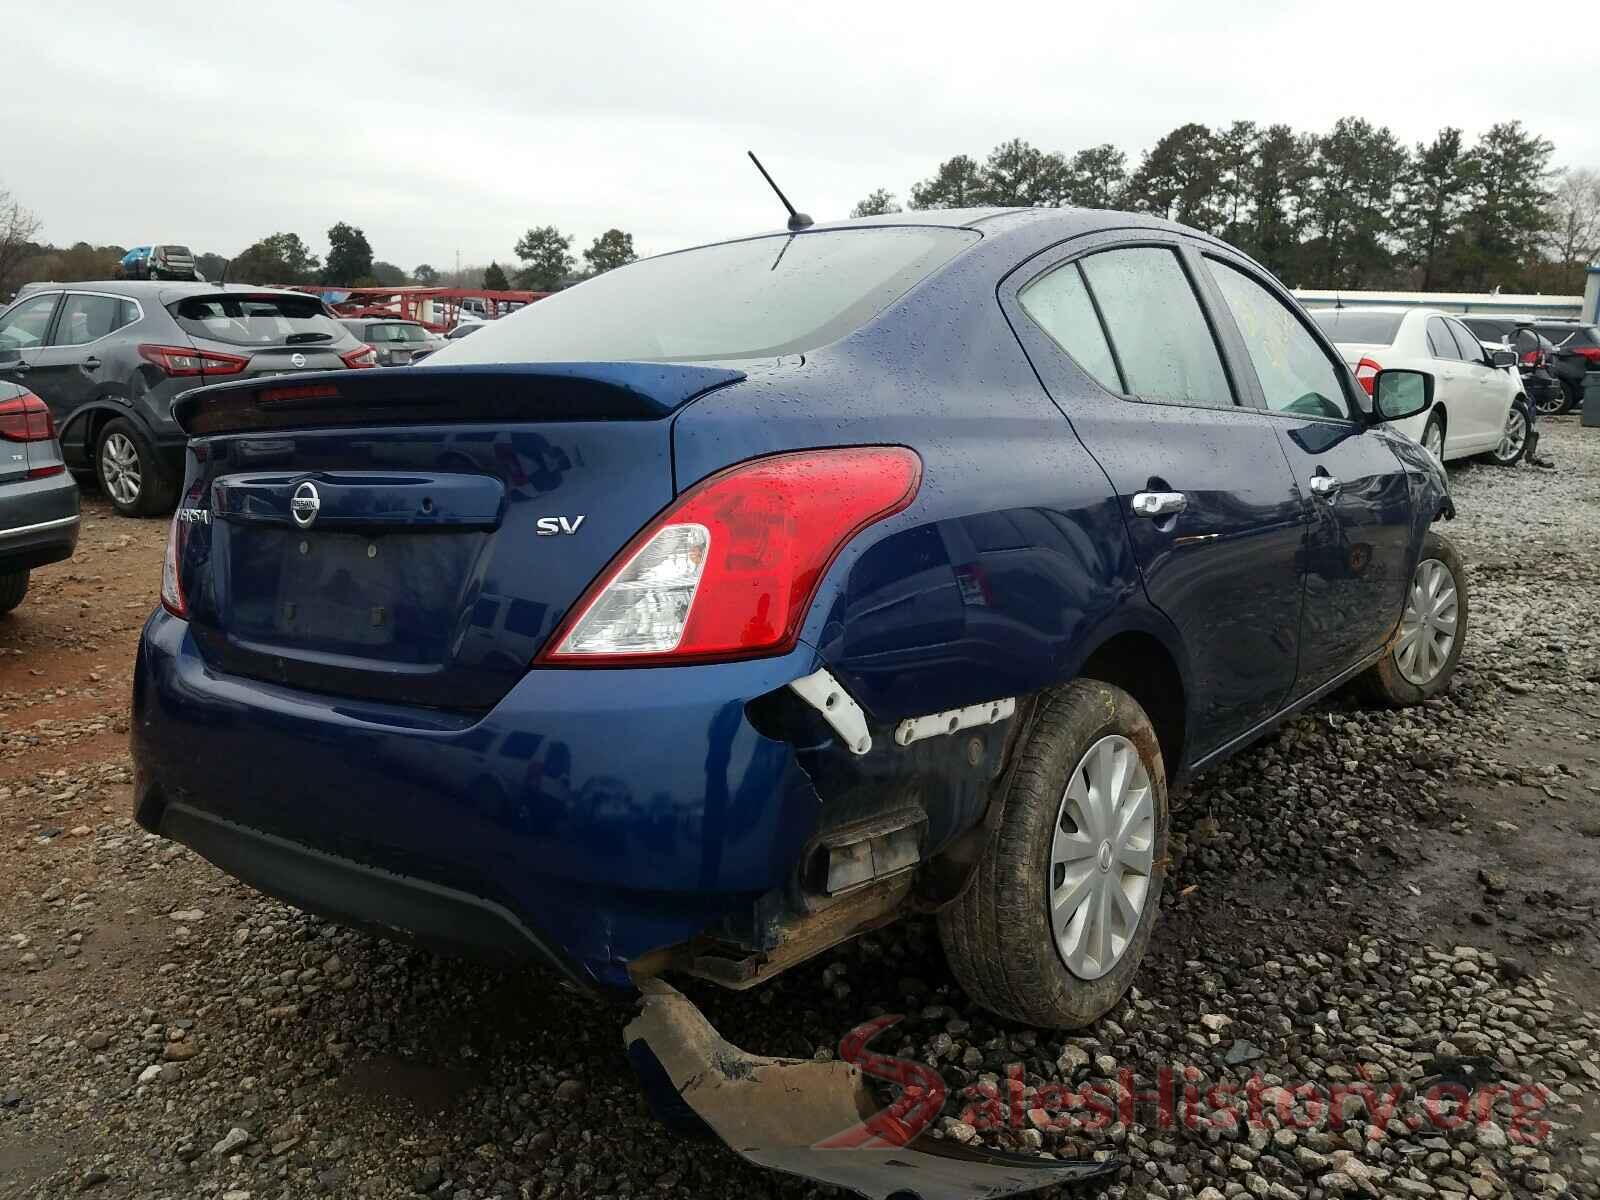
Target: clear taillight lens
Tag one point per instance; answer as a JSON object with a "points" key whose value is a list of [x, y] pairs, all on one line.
{"points": [[645, 608], [171, 586]]}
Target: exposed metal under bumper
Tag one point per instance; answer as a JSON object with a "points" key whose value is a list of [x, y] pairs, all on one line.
{"points": [[798, 1116]]}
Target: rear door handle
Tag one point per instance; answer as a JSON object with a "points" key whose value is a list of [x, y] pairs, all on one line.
{"points": [[1325, 486], [19, 367], [1159, 504], [91, 363]]}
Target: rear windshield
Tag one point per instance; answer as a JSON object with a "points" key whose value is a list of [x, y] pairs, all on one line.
{"points": [[1487, 328], [1571, 336], [765, 296], [256, 320], [1366, 328], [397, 332]]}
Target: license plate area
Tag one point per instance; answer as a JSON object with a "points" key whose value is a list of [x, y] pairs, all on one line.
{"points": [[340, 587]]}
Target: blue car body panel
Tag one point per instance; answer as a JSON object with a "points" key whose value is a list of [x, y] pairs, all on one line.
{"points": [[369, 693]]}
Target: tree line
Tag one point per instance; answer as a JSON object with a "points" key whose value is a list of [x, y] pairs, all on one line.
{"points": [[543, 260], [1351, 208]]}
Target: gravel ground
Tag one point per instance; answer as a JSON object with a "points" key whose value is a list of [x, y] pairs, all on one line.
{"points": [[1378, 900]]}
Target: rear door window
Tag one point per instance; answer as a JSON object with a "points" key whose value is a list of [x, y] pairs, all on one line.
{"points": [[1157, 330], [256, 320], [1296, 374], [1059, 304], [1470, 349], [25, 325], [1440, 343], [396, 333], [87, 318]]}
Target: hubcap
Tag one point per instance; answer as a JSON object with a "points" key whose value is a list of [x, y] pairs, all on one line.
{"points": [[1433, 439], [119, 468], [1516, 432], [1101, 857], [1550, 405], [1428, 628]]}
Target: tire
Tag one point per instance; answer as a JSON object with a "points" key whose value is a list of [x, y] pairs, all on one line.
{"points": [[130, 473], [1556, 403], [1390, 681], [13, 588], [998, 934], [1433, 434], [1514, 439]]}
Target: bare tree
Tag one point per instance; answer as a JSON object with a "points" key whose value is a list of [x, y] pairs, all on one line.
{"points": [[1573, 238], [18, 228]]}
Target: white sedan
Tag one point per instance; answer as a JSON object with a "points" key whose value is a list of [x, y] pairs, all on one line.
{"points": [[1476, 407]]}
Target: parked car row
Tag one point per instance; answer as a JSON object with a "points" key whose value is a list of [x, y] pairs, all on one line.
{"points": [[109, 358], [1556, 356]]}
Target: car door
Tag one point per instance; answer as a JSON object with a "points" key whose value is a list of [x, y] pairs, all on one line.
{"points": [[1489, 393], [23, 330], [1355, 490], [1455, 389], [1117, 334], [69, 369]]}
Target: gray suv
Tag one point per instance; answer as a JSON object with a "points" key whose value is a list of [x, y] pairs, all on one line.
{"points": [[109, 358]]}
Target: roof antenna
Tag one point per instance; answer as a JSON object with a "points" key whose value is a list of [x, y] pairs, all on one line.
{"points": [[797, 220], [223, 282]]}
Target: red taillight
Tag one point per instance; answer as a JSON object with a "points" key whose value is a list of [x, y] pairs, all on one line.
{"points": [[25, 418], [730, 570], [307, 391], [1592, 353], [1366, 371], [171, 586], [46, 472], [361, 356], [179, 361]]}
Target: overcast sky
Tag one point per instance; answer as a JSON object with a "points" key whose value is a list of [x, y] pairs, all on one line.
{"points": [[454, 125]]}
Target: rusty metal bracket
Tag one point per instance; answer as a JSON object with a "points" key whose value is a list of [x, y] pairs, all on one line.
{"points": [[816, 1120]]}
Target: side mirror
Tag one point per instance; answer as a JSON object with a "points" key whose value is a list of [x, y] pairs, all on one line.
{"points": [[1503, 358], [1397, 394]]}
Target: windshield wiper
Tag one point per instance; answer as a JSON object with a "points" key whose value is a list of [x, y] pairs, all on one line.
{"points": [[300, 339]]}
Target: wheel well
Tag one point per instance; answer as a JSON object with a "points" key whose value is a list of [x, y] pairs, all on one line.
{"points": [[1444, 416], [1141, 666]]}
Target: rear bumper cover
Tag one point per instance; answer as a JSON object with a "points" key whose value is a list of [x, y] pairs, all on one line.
{"points": [[589, 818], [38, 522]]}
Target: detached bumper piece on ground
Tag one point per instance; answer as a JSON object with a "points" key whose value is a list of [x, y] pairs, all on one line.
{"points": [[816, 1119]]}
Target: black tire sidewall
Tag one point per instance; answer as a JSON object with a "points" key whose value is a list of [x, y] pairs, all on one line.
{"points": [[1386, 683], [154, 487], [1010, 897], [13, 587]]}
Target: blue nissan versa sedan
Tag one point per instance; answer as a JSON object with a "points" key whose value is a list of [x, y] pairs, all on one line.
{"points": [[744, 598]]}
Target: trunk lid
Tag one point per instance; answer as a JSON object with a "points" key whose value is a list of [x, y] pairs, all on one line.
{"points": [[388, 534]]}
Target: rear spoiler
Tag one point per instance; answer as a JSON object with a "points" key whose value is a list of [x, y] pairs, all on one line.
{"points": [[609, 391]]}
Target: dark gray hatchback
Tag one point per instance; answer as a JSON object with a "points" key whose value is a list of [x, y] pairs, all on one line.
{"points": [[109, 358], [38, 499]]}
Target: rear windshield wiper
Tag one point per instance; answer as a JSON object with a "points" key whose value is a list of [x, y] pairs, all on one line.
{"points": [[300, 339]]}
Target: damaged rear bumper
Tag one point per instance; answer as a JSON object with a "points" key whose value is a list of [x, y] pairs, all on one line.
{"points": [[818, 1120]]}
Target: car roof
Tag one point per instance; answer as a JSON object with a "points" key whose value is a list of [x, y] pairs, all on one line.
{"points": [[160, 288]]}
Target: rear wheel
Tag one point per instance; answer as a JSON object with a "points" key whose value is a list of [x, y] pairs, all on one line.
{"points": [[1555, 402], [1433, 434], [1057, 917], [13, 588], [130, 472], [1427, 646], [1513, 439]]}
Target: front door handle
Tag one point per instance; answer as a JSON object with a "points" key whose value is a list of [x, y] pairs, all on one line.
{"points": [[1159, 504], [17, 367], [1325, 486], [91, 363]]}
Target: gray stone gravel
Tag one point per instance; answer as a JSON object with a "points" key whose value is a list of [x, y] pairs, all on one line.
{"points": [[1367, 899]]}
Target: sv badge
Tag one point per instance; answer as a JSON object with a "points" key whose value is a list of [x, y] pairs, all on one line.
{"points": [[550, 526]]}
